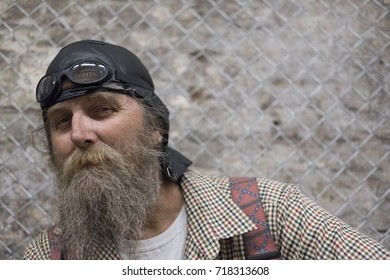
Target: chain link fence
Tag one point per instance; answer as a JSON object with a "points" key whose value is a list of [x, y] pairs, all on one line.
{"points": [[297, 91]]}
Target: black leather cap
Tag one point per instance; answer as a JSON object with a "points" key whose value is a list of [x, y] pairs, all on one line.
{"points": [[118, 59]]}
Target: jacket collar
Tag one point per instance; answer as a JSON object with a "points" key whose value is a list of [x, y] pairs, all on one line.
{"points": [[211, 215]]}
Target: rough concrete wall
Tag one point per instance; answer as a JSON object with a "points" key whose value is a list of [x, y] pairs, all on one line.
{"points": [[293, 90]]}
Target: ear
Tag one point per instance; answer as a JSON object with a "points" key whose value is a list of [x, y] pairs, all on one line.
{"points": [[157, 136]]}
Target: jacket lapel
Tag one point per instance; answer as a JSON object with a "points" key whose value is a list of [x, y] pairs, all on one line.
{"points": [[211, 215]]}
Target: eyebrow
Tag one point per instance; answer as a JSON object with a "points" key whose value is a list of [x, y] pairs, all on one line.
{"points": [[55, 109], [93, 97]]}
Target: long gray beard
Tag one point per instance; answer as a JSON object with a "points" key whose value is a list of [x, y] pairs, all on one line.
{"points": [[105, 194]]}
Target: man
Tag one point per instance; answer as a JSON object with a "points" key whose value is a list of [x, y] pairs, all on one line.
{"points": [[124, 193]]}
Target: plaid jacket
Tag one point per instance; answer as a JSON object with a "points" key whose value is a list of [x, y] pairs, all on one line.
{"points": [[300, 228]]}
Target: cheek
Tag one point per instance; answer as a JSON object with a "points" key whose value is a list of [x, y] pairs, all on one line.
{"points": [[116, 134], [62, 148], [125, 127]]}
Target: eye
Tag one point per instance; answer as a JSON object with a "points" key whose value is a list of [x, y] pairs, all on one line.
{"points": [[61, 123], [102, 111]]}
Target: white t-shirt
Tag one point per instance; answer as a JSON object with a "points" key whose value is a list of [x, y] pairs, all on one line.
{"points": [[169, 245]]}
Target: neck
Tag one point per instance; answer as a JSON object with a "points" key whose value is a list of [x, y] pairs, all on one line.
{"points": [[169, 206]]}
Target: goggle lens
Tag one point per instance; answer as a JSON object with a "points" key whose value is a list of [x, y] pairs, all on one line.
{"points": [[88, 73], [46, 86]]}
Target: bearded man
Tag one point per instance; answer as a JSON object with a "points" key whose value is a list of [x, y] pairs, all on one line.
{"points": [[123, 193]]}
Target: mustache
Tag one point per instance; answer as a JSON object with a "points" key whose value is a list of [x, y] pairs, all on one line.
{"points": [[98, 155]]}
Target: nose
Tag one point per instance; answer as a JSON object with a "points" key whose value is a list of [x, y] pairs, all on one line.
{"points": [[82, 134]]}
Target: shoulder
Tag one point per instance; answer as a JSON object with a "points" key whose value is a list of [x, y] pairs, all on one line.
{"points": [[275, 192], [39, 248], [203, 179], [276, 197], [270, 190]]}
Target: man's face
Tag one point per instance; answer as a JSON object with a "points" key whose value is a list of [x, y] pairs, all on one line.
{"points": [[89, 120], [107, 164]]}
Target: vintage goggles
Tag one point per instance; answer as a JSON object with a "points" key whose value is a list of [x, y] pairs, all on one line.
{"points": [[85, 76]]}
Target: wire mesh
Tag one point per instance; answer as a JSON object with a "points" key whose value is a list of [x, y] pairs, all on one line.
{"points": [[297, 91]]}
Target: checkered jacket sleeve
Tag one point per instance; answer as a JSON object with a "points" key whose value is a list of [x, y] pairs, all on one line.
{"points": [[303, 230]]}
